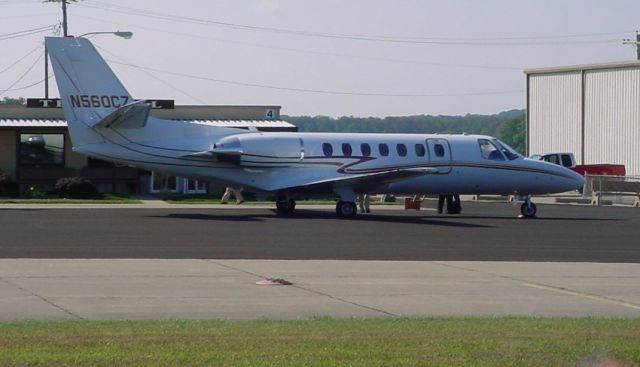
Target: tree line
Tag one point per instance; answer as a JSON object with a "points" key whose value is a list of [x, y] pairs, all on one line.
{"points": [[508, 126]]}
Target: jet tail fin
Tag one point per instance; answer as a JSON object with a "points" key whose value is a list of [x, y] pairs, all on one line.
{"points": [[89, 89]]}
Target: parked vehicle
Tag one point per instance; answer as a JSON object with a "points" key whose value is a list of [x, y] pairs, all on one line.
{"points": [[568, 160]]}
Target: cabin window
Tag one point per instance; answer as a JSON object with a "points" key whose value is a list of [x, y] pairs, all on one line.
{"points": [[365, 149], [420, 150], [384, 149], [439, 150], [41, 150], [489, 150], [508, 152], [346, 149], [566, 160], [327, 149], [402, 150]]}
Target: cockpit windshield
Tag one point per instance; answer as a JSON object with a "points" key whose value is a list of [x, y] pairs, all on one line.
{"points": [[509, 152]]}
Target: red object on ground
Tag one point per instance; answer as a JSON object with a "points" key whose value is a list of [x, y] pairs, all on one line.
{"points": [[409, 203], [273, 281]]}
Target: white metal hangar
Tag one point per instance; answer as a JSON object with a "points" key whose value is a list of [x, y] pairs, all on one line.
{"points": [[590, 110]]}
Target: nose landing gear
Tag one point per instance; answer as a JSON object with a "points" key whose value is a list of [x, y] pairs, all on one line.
{"points": [[528, 209]]}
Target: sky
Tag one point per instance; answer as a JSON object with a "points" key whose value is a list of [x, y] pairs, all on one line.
{"points": [[331, 57]]}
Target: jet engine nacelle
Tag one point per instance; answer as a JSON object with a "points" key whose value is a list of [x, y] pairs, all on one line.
{"points": [[259, 148]]}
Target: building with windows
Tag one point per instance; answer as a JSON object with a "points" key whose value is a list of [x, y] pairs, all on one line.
{"points": [[591, 110], [35, 148]]}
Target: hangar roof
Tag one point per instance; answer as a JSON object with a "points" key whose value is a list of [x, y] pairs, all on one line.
{"points": [[600, 66], [48, 123]]}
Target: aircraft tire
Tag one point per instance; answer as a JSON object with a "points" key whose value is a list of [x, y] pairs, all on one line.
{"points": [[285, 207], [528, 210], [346, 209]]}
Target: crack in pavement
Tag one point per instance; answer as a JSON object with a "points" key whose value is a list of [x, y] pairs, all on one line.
{"points": [[548, 287], [43, 299]]}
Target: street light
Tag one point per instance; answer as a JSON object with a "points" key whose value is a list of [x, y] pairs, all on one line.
{"points": [[121, 34]]}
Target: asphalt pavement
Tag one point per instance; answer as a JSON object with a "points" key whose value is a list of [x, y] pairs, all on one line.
{"points": [[483, 232]]}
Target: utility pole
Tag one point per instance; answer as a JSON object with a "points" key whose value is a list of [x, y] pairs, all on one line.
{"points": [[635, 43], [46, 54], [64, 13], [64, 18]]}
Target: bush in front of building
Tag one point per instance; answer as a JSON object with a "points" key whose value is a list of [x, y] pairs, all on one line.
{"points": [[8, 187], [76, 188]]}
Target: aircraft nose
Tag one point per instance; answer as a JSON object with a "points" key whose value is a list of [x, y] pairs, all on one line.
{"points": [[575, 181]]}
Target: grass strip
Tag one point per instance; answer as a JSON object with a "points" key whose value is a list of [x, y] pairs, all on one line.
{"points": [[502, 341], [107, 199]]}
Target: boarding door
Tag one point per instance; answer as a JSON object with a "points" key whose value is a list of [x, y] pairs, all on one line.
{"points": [[439, 154]]}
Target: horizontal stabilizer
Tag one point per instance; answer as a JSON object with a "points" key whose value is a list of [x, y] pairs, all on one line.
{"points": [[129, 116]]}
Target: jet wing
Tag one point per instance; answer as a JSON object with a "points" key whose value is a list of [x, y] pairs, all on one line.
{"points": [[367, 179]]}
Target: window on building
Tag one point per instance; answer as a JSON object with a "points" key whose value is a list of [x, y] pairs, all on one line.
{"points": [[439, 150], [41, 150], [384, 149], [365, 149], [158, 182], [327, 149], [346, 149], [489, 151], [402, 150], [420, 151]]}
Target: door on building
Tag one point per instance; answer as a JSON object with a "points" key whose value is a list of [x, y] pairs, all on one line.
{"points": [[440, 154]]}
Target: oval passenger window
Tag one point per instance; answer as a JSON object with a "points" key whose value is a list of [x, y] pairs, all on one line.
{"points": [[327, 149]]}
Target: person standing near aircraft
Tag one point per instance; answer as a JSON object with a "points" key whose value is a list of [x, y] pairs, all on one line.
{"points": [[232, 191], [453, 203], [364, 201]]}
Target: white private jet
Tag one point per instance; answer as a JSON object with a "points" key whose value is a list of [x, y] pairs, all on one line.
{"points": [[106, 123]]}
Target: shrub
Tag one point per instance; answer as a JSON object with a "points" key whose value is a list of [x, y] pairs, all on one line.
{"points": [[36, 193], [76, 188], [8, 187]]}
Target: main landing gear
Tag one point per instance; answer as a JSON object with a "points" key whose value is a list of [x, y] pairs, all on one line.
{"points": [[346, 209], [528, 209], [285, 206]]}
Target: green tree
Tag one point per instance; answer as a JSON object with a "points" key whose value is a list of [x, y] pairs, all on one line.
{"points": [[514, 133], [12, 101]]}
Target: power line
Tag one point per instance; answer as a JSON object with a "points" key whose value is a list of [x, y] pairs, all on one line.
{"points": [[28, 86], [313, 52], [155, 77], [27, 32], [505, 41], [317, 91], [20, 59], [3, 91]]}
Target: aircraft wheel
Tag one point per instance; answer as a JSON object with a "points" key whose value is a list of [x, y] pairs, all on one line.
{"points": [[346, 209], [285, 206], [528, 210]]}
